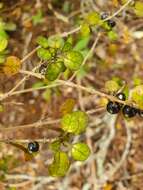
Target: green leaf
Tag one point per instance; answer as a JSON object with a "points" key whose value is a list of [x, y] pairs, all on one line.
{"points": [[70, 40], [73, 60], [67, 47], [137, 96], [85, 30], [106, 26], [3, 44], [53, 71], [111, 86], [3, 34], [55, 146], [47, 95], [10, 26], [11, 188], [93, 18], [137, 81], [80, 151], [2, 24], [75, 122], [66, 7], [55, 41], [82, 72], [60, 64], [139, 8], [82, 44], [38, 17], [67, 106], [60, 165], [38, 84], [44, 54], [42, 41], [66, 74], [112, 35]]}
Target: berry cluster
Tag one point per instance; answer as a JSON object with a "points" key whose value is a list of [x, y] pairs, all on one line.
{"points": [[111, 23], [33, 147], [128, 111]]}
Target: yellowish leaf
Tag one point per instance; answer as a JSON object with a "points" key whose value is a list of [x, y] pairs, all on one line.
{"points": [[12, 65], [67, 106]]}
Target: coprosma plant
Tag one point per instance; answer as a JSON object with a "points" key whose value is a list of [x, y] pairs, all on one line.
{"points": [[60, 58]]}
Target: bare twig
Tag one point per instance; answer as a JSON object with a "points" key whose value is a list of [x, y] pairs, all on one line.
{"points": [[120, 10]]}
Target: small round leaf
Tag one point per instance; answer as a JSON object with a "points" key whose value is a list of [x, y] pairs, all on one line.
{"points": [[93, 18], [85, 30], [44, 54], [137, 95], [42, 41], [80, 151], [12, 65], [139, 9], [111, 86], [113, 36], [73, 60], [75, 122], [55, 42], [67, 106], [67, 47], [53, 71], [60, 165]]}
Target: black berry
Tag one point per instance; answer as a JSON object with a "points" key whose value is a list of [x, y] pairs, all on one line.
{"points": [[42, 69], [140, 112], [121, 96], [113, 107], [104, 16], [111, 23], [129, 111], [33, 146]]}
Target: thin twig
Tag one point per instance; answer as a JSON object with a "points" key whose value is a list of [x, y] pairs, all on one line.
{"points": [[120, 10], [34, 125]]}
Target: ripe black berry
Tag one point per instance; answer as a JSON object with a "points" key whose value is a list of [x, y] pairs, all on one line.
{"points": [[121, 96], [33, 146], [111, 23], [104, 15], [140, 112], [113, 107], [129, 111]]}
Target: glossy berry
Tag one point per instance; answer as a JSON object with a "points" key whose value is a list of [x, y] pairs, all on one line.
{"points": [[104, 16], [33, 146], [111, 23], [129, 111], [121, 96], [113, 107]]}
